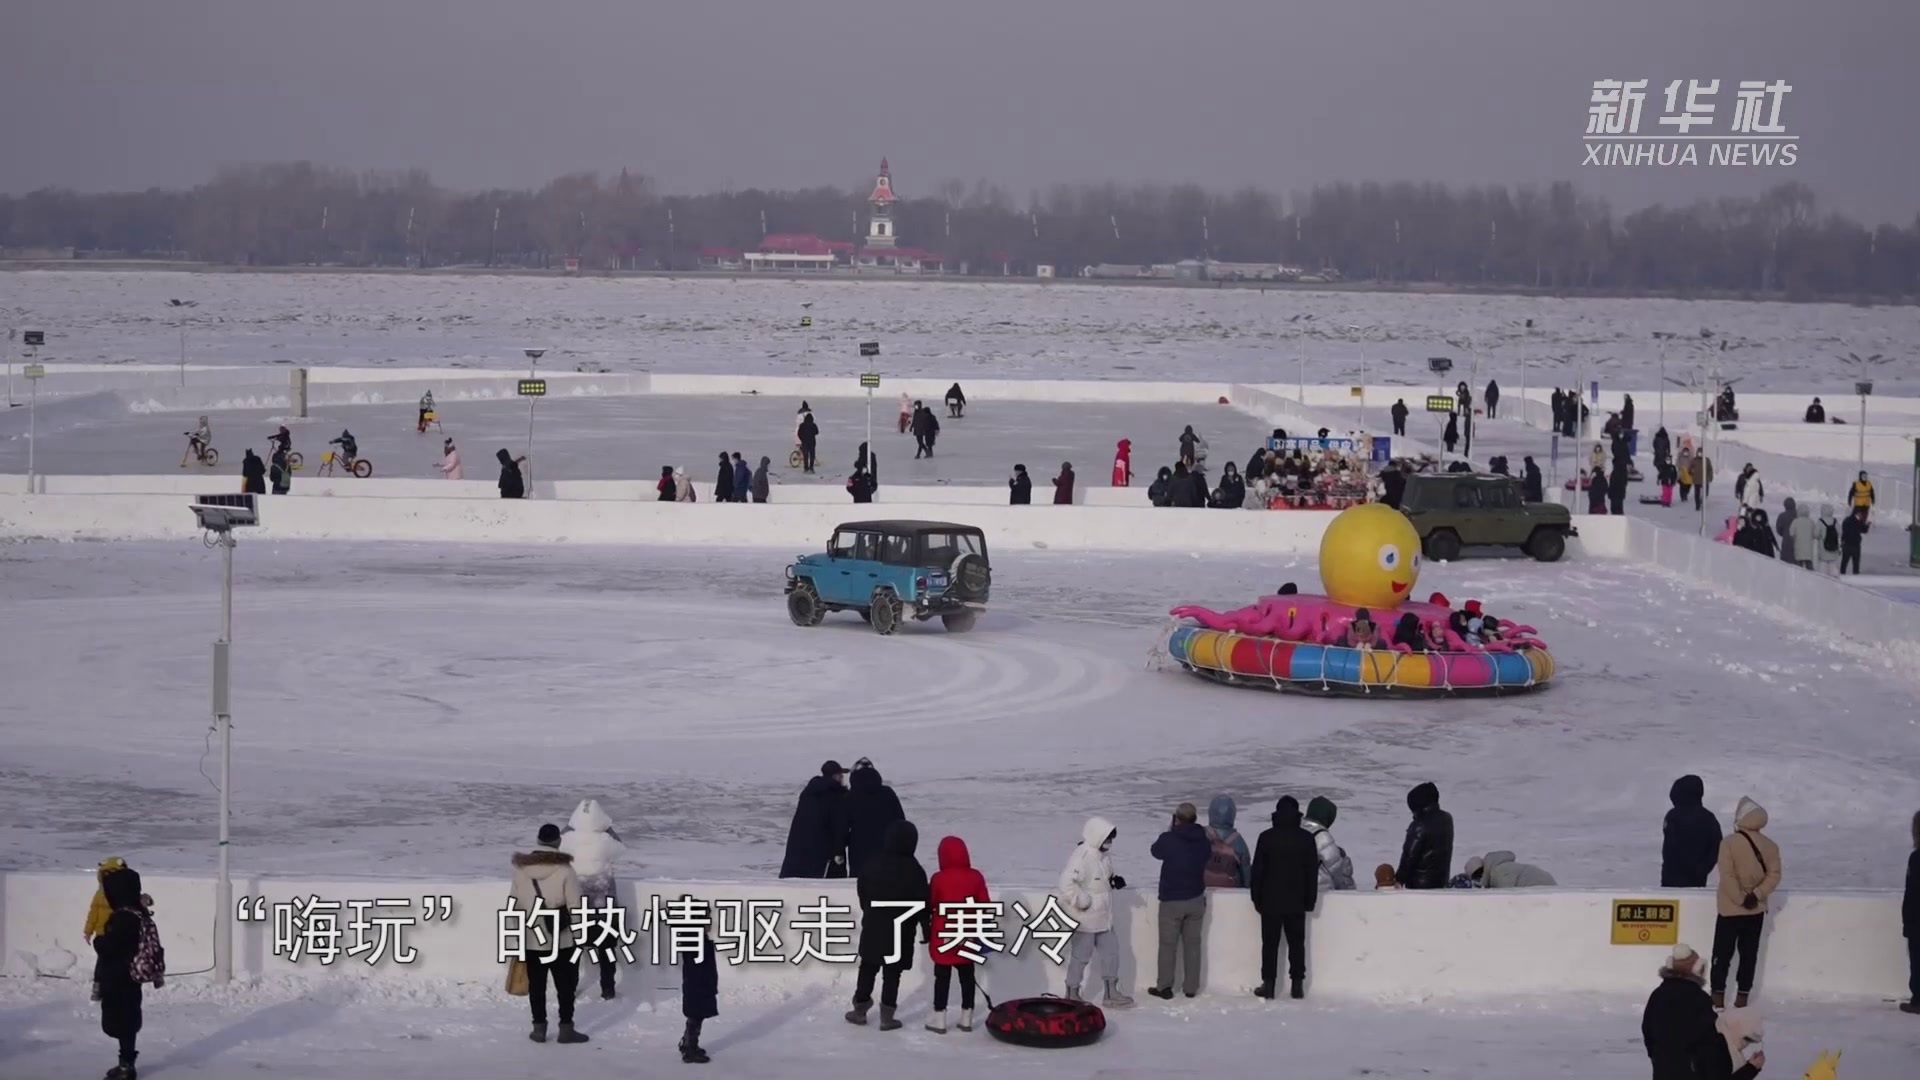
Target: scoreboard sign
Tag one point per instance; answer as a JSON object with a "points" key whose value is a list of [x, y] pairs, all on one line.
{"points": [[533, 388], [1646, 922], [1439, 403]]}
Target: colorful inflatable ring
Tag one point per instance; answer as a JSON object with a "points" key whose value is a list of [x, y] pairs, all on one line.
{"points": [[1046, 1022], [1250, 660]]}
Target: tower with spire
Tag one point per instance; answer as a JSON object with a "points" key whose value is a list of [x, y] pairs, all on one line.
{"points": [[880, 229]]}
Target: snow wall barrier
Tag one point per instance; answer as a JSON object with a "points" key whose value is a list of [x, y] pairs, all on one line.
{"points": [[1393, 945]]}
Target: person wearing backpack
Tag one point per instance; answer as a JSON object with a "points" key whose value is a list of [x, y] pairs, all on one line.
{"points": [[1228, 859], [1826, 548], [128, 953], [1183, 851], [1749, 872]]}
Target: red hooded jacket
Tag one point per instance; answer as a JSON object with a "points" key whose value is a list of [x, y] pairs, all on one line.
{"points": [[954, 882], [1123, 463]]}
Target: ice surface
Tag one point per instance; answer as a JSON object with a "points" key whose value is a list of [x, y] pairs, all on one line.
{"points": [[412, 710], [631, 437], [409, 1031], [946, 330]]}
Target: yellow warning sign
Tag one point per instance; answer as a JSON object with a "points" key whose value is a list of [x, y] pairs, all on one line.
{"points": [[1646, 922]]}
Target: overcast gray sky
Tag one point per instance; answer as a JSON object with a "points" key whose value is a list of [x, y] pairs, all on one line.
{"points": [[702, 94]]}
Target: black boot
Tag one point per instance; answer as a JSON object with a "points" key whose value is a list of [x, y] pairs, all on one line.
{"points": [[691, 1053], [1165, 994], [1264, 990], [568, 1035], [1298, 990], [122, 1071], [539, 1033], [858, 1014], [887, 1021]]}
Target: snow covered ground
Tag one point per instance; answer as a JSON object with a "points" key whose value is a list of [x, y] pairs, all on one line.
{"points": [[947, 330], [412, 710], [579, 438], [413, 1032]]}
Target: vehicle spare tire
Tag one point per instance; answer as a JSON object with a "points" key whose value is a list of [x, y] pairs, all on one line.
{"points": [[1046, 1022], [970, 578]]}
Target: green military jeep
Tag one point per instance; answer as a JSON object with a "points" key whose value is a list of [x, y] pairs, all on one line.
{"points": [[1451, 511]]}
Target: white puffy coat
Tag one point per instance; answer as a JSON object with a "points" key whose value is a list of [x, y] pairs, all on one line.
{"points": [[1084, 884], [544, 881], [1336, 870], [595, 847]]}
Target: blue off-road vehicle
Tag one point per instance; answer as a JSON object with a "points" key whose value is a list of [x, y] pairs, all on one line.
{"points": [[890, 571]]}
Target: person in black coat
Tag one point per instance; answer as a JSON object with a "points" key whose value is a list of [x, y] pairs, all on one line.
{"points": [[1678, 1019], [1186, 489], [926, 428], [1597, 491], [1399, 412], [699, 999], [1853, 531], [1691, 847], [1492, 398], [723, 481], [895, 877], [1450, 438], [114, 949], [1232, 493], [254, 472], [513, 485], [1617, 486], [861, 486], [1284, 885], [1426, 858], [817, 839], [1532, 484], [1393, 485], [956, 401], [872, 808], [1160, 492], [809, 441], [1910, 922], [1020, 487]]}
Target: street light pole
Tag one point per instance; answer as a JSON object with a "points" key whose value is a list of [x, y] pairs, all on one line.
{"points": [[533, 359], [223, 721]]}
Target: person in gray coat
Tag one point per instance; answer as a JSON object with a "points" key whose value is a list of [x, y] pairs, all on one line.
{"points": [[1801, 533], [1783, 527], [1501, 870], [760, 485]]}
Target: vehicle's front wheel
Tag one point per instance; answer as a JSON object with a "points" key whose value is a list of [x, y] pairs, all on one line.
{"points": [[1443, 545], [1547, 545], [959, 622], [803, 604], [884, 613]]}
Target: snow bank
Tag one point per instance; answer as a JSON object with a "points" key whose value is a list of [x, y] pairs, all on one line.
{"points": [[1393, 945], [933, 391], [787, 526]]}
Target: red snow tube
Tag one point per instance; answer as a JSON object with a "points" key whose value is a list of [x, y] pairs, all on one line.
{"points": [[1046, 1022]]}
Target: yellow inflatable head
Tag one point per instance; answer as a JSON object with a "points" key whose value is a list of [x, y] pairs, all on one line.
{"points": [[1370, 557]]}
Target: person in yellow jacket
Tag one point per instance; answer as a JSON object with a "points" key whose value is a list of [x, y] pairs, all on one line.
{"points": [[1861, 494], [99, 910]]}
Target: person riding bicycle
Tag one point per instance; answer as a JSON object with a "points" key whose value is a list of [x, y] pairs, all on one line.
{"points": [[281, 441], [349, 447], [198, 440], [426, 410]]}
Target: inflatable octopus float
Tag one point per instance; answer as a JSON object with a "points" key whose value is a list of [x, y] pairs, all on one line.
{"points": [[1369, 564]]}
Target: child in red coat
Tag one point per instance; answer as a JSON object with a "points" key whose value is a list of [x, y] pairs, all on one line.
{"points": [[955, 882]]}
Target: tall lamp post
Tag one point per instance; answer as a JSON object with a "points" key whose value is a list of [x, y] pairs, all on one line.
{"points": [[1862, 366], [1360, 342], [533, 359], [219, 515], [180, 305]]}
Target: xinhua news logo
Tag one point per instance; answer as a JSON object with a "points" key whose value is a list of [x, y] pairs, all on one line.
{"points": [[1685, 132]]}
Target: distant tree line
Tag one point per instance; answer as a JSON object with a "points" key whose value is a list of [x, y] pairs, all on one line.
{"points": [[1553, 238]]}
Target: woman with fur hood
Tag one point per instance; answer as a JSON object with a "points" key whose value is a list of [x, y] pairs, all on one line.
{"points": [[115, 978], [1749, 872], [1087, 886], [544, 880], [595, 847]]}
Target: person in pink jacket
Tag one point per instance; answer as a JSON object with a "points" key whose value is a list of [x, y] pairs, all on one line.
{"points": [[450, 461]]}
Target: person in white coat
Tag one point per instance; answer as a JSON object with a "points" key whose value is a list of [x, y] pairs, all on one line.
{"points": [[1753, 494], [1804, 536], [683, 487], [906, 413], [1336, 869], [544, 882], [450, 461], [1087, 886], [595, 847]]}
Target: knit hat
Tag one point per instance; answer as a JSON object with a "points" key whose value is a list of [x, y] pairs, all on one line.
{"points": [[1439, 599], [1682, 952], [550, 835], [1321, 811], [1473, 607], [1383, 876]]}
